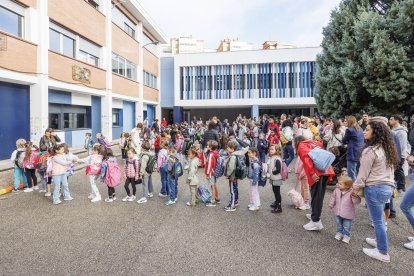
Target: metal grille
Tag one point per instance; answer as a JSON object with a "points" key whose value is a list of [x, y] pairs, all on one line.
{"points": [[3, 42]]}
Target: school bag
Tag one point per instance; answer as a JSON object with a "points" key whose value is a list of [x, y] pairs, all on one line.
{"points": [[241, 167], [321, 158], [49, 166], [19, 159], [113, 174], [106, 142], [204, 193], [219, 169], [151, 164], [263, 173], [95, 167], [175, 167], [32, 161], [42, 165]]}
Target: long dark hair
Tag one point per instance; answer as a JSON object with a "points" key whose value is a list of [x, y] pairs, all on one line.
{"points": [[336, 126], [381, 137], [298, 140]]}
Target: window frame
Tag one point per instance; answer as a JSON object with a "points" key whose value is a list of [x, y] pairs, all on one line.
{"points": [[124, 70], [21, 21]]}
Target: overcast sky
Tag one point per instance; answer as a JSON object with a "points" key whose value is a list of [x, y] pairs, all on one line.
{"points": [[296, 21]]}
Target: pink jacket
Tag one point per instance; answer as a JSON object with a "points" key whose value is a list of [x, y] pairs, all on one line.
{"points": [[344, 203], [299, 169]]}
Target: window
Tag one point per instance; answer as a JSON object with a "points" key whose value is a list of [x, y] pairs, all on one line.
{"points": [[124, 67], [94, 3], [129, 30], [74, 120], [88, 58], [54, 120], [67, 117], [150, 47], [150, 80], [11, 22], [115, 118], [54, 40], [62, 43], [88, 52], [68, 46], [120, 19]]}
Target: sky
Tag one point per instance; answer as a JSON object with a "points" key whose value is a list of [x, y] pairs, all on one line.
{"points": [[295, 21]]}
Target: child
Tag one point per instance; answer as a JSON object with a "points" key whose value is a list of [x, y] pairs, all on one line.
{"points": [[157, 143], [147, 187], [172, 179], [59, 169], [17, 158], [344, 203], [192, 179], [212, 157], [230, 173], [31, 158], [273, 139], [131, 174], [162, 168], [109, 158], [122, 143], [302, 185], [45, 179], [88, 142], [102, 140], [93, 170], [274, 165], [254, 175], [70, 157], [262, 147]]}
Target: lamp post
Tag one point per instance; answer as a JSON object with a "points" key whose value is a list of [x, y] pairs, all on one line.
{"points": [[153, 42]]}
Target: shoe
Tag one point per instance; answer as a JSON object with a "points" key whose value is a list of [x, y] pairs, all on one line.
{"points": [[170, 202], [68, 198], [42, 191], [150, 195], [90, 196], [15, 191], [142, 200], [229, 209], [236, 204], [109, 199], [409, 245], [411, 238], [162, 195], [338, 236], [28, 190], [249, 206], [125, 199], [35, 188], [96, 199], [309, 216], [254, 208], [313, 226], [189, 204], [277, 209], [372, 242], [218, 201], [375, 254], [273, 205], [307, 206], [57, 202], [48, 194], [211, 204], [289, 171], [113, 198], [346, 239], [132, 198], [186, 167]]}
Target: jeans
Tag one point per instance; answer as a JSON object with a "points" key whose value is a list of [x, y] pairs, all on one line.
{"points": [[317, 193], [288, 154], [172, 186], [164, 180], [262, 156], [343, 226], [376, 197], [407, 203], [43, 180], [31, 177], [351, 168], [399, 175], [18, 174], [59, 180], [147, 185]]}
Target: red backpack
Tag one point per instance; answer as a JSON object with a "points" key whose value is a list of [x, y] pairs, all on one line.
{"points": [[113, 174], [32, 161]]}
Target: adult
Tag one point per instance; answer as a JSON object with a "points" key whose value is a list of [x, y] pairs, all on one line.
{"points": [[287, 132], [136, 137], [354, 139], [164, 123], [401, 133], [411, 134], [146, 122], [210, 134], [194, 120], [155, 127], [265, 123], [317, 180], [376, 177], [365, 121], [407, 203], [334, 136], [50, 139]]}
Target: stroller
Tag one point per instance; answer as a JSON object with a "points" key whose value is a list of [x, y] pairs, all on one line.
{"points": [[339, 163]]}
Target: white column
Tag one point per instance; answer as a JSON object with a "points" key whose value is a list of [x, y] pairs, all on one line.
{"points": [[139, 106], [106, 101], [39, 92]]}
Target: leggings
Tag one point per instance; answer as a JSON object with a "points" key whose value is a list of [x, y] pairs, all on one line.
{"points": [[111, 192], [276, 191], [31, 175], [126, 186]]}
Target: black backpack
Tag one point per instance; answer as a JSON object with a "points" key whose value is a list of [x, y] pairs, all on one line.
{"points": [[241, 167], [151, 164]]}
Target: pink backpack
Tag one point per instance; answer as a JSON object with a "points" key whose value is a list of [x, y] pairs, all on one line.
{"points": [[96, 164], [113, 174], [107, 143], [49, 166], [31, 163], [284, 173]]}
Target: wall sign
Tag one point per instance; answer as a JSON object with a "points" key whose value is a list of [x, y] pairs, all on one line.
{"points": [[81, 74]]}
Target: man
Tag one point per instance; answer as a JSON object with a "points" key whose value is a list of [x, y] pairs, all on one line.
{"points": [[146, 122], [365, 120], [211, 134], [400, 132], [411, 135]]}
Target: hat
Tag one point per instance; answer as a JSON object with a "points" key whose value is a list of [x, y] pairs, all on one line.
{"points": [[381, 119]]}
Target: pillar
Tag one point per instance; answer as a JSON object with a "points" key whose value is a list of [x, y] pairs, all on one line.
{"points": [[255, 111], [178, 114]]}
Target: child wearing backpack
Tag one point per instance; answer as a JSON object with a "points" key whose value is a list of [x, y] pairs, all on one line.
{"points": [[131, 174], [175, 170], [88, 142], [17, 159], [110, 174], [45, 180], [210, 171], [233, 172], [31, 158], [254, 176], [192, 179], [262, 147], [162, 168], [146, 172], [93, 171], [122, 144], [103, 140], [274, 174], [58, 168]]}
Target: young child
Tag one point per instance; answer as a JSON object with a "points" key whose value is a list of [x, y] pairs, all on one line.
{"points": [[274, 165], [273, 139], [230, 173], [147, 187], [88, 142], [59, 169], [131, 174], [93, 170], [122, 144], [344, 203], [45, 179], [192, 179], [262, 147], [172, 179], [108, 158], [302, 185], [31, 158], [157, 143], [254, 175], [212, 157], [162, 168], [102, 140], [17, 158]]}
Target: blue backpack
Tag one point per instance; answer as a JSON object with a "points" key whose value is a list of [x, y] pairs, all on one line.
{"points": [[219, 170], [204, 193], [175, 167]]}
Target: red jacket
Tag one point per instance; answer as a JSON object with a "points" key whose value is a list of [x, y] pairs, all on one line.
{"points": [[273, 140], [164, 123], [276, 127], [303, 149], [211, 163], [157, 142]]}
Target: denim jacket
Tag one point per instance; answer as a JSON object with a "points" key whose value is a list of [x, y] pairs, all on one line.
{"points": [[254, 171]]}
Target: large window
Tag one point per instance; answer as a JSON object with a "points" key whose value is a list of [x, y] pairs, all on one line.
{"points": [[150, 47], [11, 22], [74, 120], [124, 67], [129, 30], [67, 117], [150, 80], [88, 52], [123, 22], [115, 118], [62, 43]]}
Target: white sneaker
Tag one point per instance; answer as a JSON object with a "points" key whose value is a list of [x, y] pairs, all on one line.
{"points": [[411, 238], [125, 199], [42, 191], [91, 196], [28, 190], [68, 198], [96, 199], [35, 188], [142, 200], [150, 195], [132, 198], [375, 254], [372, 242], [346, 239], [57, 202], [254, 208], [48, 194], [109, 199], [313, 226], [338, 236], [409, 245], [162, 195], [249, 206], [114, 198], [308, 216]]}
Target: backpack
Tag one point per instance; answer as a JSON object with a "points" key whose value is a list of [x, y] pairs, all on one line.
{"points": [[106, 142], [204, 193], [19, 159], [219, 169], [241, 168], [113, 174], [49, 166], [95, 167], [263, 173], [151, 164], [175, 167], [284, 171], [42, 165], [321, 158], [32, 161]]}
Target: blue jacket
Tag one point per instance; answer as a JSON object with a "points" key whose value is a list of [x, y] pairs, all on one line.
{"points": [[355, 141], [262, 145], [254, 171]]}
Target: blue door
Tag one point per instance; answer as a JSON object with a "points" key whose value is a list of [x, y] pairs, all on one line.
{"points": [[14, 116]]}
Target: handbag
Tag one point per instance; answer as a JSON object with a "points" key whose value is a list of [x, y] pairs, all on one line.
{"points": [[321, 158]]}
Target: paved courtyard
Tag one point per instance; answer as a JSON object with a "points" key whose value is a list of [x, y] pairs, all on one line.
{"points": [[81, 238]]}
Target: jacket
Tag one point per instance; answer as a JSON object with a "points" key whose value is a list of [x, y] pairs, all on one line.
{"points": [[192, 172], [344, 203], [273, 140], [230, 171], [145, 156], [262, 145], [401, 133], [288, 133], [51, 142], [254, 171], [274, 163], [303, 149], [355, 141], [210, 135], [211, 163], [60, 164], [132, 168]]}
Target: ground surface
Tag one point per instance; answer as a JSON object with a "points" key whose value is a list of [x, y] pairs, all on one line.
{"points": [[81, 238]]}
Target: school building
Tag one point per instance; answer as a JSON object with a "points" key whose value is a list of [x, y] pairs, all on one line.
{"points": [[251, 83], [76, 66]]}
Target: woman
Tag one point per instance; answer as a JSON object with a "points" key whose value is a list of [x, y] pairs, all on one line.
{"points": [[335, 135], [354, 139], [50, 139], [287, 132], [407, 203], [376, 177], [317, 181], [136, 138]]}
